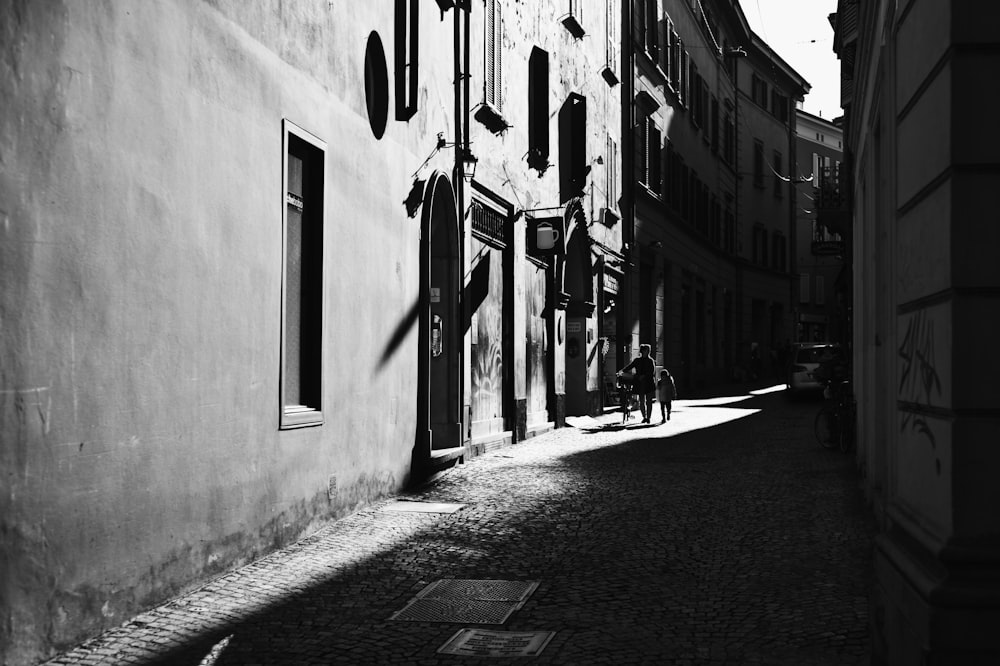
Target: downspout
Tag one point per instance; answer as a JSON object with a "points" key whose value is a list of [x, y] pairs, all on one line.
{"points": [[793, 230], [461, 146], [738, 231], [624, 324]]}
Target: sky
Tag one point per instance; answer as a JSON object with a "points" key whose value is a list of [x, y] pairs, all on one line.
{"points": [[799, 32]]}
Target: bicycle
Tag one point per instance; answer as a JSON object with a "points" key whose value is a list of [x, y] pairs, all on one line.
{"points": [[835, 422], [624, 386]]}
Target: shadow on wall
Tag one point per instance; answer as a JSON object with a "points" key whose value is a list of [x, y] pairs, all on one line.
{"points": [[399, 334]]}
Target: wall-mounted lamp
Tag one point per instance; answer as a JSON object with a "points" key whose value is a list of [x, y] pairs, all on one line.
{"points": [[469, 162]]}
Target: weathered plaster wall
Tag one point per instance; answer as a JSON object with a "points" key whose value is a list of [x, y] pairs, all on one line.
{"points": [[574, 67], [140, 216]]}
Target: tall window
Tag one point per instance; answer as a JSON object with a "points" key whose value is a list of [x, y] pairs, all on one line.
{"points": [[572, 161], [667, 56], [779, 184], [493, 78], [685, 80], [648, 155], [538, 109], [758, 90], [651, 26], [758, 164], [611, 173], [674, 73], [779, 106], [302, 279], [779, 254], [715, 124], [611, 43], [729, 231], [695, 101], [729, 139], [406, 52]]}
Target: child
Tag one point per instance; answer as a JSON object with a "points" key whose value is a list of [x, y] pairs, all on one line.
{"points": [[666, 391]]}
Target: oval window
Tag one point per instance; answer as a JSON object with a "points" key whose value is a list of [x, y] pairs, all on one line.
{"points": [[376, 85]]}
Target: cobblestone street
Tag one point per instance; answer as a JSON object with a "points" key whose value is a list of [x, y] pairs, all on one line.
{"points": [[725, 536]]}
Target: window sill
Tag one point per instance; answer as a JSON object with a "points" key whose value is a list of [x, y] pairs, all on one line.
{"points": [[300, 416]]}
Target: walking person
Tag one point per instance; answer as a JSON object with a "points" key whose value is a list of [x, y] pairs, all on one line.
{"points": [[666, 391], [645, 380]]}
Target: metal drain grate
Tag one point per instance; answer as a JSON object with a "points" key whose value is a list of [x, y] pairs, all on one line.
{"points": [[488, 643], [467, 601]]}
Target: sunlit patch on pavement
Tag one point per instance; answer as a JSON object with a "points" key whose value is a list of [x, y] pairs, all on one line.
{"points": [[769, 389], [213, 655]]}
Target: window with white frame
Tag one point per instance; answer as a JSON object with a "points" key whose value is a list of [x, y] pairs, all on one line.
{"points": [[301, 381], [758, 163]]}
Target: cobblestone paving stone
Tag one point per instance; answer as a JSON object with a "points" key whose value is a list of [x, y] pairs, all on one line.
{"points": [[725, 536]]}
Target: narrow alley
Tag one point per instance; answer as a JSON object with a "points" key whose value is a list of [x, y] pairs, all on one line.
{"points": [[724, 536]]}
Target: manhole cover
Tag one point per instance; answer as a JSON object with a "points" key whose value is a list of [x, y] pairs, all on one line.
{"points": [[423, 507], [467, 601], [489, 643]]}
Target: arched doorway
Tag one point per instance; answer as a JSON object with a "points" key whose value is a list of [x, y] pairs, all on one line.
{"points": [[581, 350], [440, 339]]}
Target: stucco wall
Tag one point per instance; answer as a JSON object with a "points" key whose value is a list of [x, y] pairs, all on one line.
{"points": [[141, 254]]}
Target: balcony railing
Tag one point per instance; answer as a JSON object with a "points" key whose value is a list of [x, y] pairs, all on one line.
{"points": [[828, 248]]}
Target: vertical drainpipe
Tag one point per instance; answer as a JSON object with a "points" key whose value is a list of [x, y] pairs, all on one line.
{"points": [[466, 13], [624, 324], [793, 203], [461, 145], [737, 231]]}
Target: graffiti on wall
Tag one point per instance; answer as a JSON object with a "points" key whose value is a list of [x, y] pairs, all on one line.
{"points": [[487, 347], [919, 381], [537, 372]]}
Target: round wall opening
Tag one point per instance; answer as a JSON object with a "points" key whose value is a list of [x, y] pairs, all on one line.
{"points": [[376, 85]]}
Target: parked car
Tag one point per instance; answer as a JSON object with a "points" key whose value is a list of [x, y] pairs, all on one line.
{"points": [[806, 358]]}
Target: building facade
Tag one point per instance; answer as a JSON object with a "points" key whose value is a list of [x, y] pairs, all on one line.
{"points": [[263, 265], [821, 257], [921, 148], [709, 194]]}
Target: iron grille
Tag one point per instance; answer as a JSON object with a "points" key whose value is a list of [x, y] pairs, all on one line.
{"points": [[489, 224]]}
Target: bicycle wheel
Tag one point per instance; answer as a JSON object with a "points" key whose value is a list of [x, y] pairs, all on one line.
{"points": [[826, 427]]}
